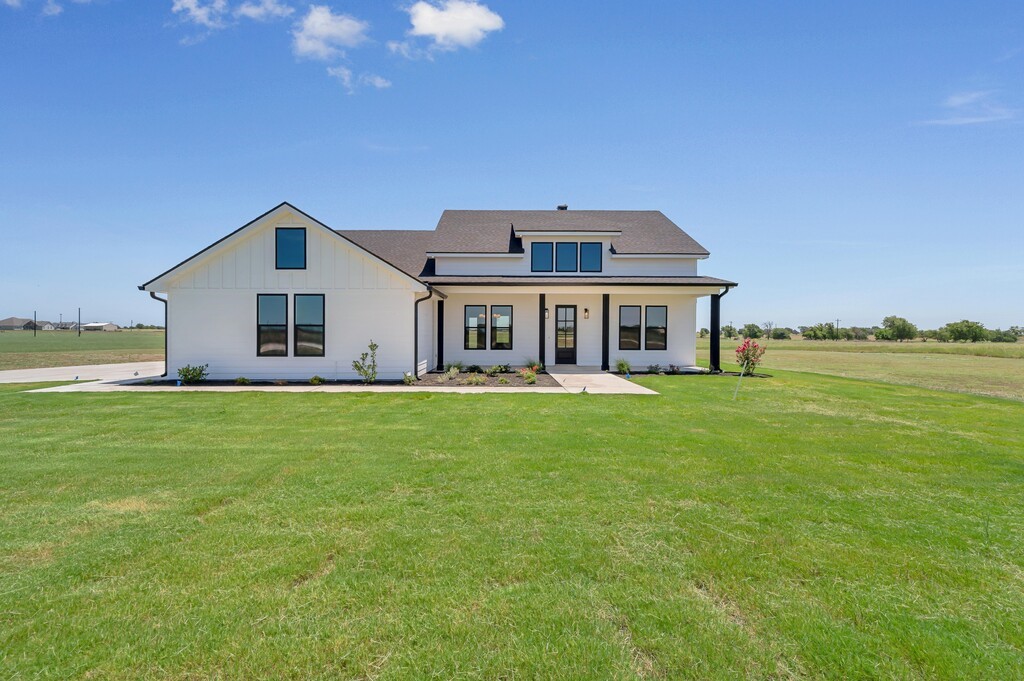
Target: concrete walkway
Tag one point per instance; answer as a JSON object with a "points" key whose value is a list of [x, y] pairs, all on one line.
{"points": [[91, 372], [577, 379], [131, 377]]}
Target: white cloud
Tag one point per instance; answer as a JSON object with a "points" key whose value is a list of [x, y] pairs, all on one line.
{"points": [[13, 3], [51, 8], [973, 107], [263, 10], [321, 33], [209, 14], [373, 80], [344, 75], [451, 25]]}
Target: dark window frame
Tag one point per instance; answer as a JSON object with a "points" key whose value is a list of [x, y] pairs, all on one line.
{"points": [[277, 243], [259, 327], [296, 325], [533, 266], [466, 328], [576, 256], [639, 327], [647, 327], [600, 255], [511, 321]]}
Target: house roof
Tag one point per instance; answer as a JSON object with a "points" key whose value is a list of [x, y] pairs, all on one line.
{"points": [[464, 280], [14, 321], [405, 249], [496, 231]]}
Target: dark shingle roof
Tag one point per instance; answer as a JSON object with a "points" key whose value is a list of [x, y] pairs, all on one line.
{"points": [[451, 280], [493, 231]]}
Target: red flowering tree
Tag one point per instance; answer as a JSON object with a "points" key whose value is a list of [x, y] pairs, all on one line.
{"points": [[749, 355]]}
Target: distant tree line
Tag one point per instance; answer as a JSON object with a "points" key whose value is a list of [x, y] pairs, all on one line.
{"points": [[893, 328]]}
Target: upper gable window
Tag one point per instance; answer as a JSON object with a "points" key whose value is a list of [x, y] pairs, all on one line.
{"points": [[542, 257], [565, 256], [590, 256], [291, 248]]}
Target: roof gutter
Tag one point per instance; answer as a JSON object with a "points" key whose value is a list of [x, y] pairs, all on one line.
{"points": [[154, 296], [416, 328]]}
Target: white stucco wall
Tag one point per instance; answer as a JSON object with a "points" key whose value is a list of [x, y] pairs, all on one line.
{"points": [[519, 265]]}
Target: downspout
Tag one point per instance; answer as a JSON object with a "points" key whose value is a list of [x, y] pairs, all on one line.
{"points": [[166, 357], [416, 328]]}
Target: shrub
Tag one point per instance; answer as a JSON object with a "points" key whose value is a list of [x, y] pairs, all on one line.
{"points": [[474, 369], [780, 334], [316, 380], [1000, 336], [193, 374], [503, 380], [533, 365], [449, 365], [966, 331], [529, 376], [704, 333], [408, 378], [729, 331], [622, 365], [366, 365], [749, 354], [476, 379], [449, 375], [654, 368], [674, 369], [497, 369], [752, 331], [242, 380]]}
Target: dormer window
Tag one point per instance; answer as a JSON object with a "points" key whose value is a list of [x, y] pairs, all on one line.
{"points": [[542, 256], [590, 256], [565, 256], [291, 248]]}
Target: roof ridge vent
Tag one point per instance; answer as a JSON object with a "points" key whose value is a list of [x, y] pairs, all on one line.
{"points": [[563, 206]]}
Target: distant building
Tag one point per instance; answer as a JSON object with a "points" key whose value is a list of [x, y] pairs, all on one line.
{"points": [[14, 323], [66, 326], [100, 326], [38, 325]]}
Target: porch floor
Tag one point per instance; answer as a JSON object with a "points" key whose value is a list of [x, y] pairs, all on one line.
{"points": [[576, 379]]}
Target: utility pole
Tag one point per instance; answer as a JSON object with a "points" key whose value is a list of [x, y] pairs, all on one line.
{"points": [[837, 328], [79, 322], [34, 324]]}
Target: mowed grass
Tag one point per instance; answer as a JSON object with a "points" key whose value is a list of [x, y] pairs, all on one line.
{"points": [[20, 350], [995, 369], [817, 526]]}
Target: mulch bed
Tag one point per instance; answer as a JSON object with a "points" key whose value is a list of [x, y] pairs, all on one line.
{"points": [[513, 380]]}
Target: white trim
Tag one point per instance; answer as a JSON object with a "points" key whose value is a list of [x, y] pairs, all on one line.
{"points": [[442, 254], [555, 232], [554, 290], [680, 256]]}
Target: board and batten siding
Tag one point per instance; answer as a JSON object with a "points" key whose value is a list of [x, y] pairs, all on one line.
{"points": [[212, 308]]}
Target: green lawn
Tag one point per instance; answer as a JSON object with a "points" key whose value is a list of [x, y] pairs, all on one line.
{"points": [[22, 350], [995, 369], [817, 526]]}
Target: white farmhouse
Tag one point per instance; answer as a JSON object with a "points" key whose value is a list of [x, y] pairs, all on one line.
{"points": [[287, 297]]}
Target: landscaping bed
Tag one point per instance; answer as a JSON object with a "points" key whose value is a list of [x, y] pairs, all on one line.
{"points": [[482, 380]]}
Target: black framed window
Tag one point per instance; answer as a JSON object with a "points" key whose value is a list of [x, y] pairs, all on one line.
{"points": [[271, 325], [476, 328], [629, 327], [565, 256], [590, 256], [656, 331], [290, 248], [308, 334], [501, 327], [542, 257]]}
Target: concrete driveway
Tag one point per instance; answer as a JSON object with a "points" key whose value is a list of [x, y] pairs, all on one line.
{"points": [[92, 372]]}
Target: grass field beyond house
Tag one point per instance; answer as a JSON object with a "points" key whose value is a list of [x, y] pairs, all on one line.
{"points": [[995, 369], [22, 350], [817, 527]]}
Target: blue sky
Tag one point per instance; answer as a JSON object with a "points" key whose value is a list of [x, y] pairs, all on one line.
{"points": [[849, 162]]}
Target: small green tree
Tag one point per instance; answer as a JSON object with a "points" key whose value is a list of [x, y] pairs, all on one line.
{"points": [[729, 331], [704, 333], [781, 334], [752, 331], [966, 331], [899, 329], [366, 365]]}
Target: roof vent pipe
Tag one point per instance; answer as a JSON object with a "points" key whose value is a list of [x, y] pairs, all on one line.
{"points": [[563, 206]]}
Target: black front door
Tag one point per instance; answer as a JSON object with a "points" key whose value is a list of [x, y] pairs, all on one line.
{"points": [[565, 334]]}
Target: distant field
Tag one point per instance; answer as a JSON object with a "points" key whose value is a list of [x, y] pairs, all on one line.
{"points": [[995, 369], [20, 350]]}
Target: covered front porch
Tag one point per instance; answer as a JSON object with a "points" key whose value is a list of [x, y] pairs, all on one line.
{"points": [[568, 325]]}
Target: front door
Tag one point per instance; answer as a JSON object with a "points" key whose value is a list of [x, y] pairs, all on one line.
{"points": [[565, 334]]}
